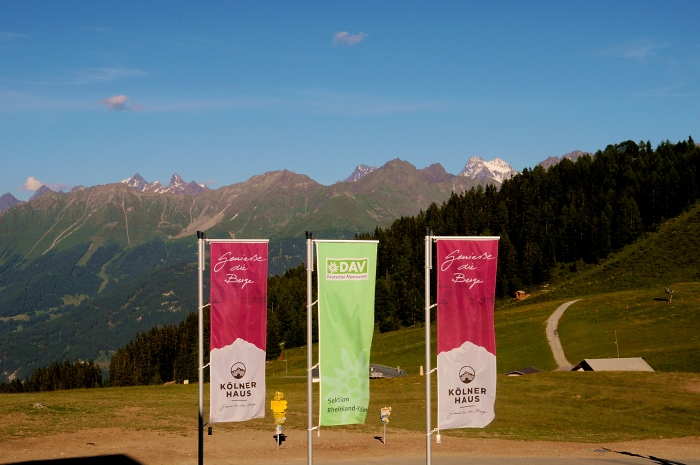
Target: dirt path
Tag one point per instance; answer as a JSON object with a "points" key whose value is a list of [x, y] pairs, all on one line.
{"points": [[553, 337], [258, 447]]}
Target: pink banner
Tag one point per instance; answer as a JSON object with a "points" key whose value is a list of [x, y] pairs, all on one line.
{"points": [[238, 330], [466, 342]]}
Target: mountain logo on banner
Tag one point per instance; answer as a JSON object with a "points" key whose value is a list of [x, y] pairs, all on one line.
{"points": [[238, 370], [347, 269], [467, 375]]}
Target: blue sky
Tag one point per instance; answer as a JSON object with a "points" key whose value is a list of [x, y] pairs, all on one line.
{"points": [[93, 92]]}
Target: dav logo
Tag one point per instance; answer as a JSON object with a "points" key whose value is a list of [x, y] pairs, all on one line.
{"points": [[347, 269]]}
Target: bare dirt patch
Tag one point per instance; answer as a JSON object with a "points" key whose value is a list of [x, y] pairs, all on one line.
{"points": [[258, 447]]}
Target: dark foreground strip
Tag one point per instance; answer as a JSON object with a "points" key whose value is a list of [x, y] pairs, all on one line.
{"points": [[101, 459], [658, 460]]}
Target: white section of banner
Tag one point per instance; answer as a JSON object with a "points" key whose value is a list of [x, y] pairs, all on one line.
{"points": [[466, 387], [237, 383]]}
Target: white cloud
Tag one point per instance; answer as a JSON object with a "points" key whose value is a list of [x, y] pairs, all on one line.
{"points": [[116, 102], [31, 184], [638, 50], [344, 38], [316, 101], [11, 35], [98, 75], [9, 39]]}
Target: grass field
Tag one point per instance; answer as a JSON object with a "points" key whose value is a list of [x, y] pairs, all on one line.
{"points": [[558, 406], [666, 335], [581, 407]]}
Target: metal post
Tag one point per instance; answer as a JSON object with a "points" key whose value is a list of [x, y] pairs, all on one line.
{"points": [[309, 339], [428, 426], [201, 237]]}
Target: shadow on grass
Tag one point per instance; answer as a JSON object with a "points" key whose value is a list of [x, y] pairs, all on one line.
{"points": [[658, 460], [101, 459]]}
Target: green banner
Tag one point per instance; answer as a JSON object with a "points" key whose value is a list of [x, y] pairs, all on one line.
{"points": [[346, 277]]}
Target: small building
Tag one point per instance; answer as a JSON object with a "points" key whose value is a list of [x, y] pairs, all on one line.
{"points": [[523, 371], [383, 371], [613, 364], [521, 295]]}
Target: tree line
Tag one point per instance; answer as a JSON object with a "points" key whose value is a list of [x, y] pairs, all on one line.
{"points": [[58, 376], [161, 354]]}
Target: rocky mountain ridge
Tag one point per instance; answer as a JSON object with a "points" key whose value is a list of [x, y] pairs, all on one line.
{"points": [[8, 201], [177, 185], [43, 189], [276, 204], [360, 172], [573, 156]]}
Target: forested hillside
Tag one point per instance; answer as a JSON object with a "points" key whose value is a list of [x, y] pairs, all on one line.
{"points": [[568, 213], [162, 354], [90, 328], [58, 376]]}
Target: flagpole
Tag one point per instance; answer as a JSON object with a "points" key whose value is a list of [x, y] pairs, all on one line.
{"points": [[428, 266], [201, 237], [309, 336]]}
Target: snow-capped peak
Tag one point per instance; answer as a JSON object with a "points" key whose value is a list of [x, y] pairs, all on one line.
{"points": [[176, 180], [136, 182], [360, 172], [495, 169]]}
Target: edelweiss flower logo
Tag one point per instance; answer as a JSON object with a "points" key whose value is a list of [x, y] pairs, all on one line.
{"points": [[352, 381], [332, 267]]}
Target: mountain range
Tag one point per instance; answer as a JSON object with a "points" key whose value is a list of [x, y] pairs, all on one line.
{"points": [[82, 272], [494, 171]]}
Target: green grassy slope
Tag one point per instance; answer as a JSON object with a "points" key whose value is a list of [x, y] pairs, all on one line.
{"points": [[625, 294], [666, 335], [668, 255]]}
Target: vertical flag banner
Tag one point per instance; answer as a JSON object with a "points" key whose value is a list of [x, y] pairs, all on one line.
{"points": [[238, 330], [346, 279], [466, 342]]}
